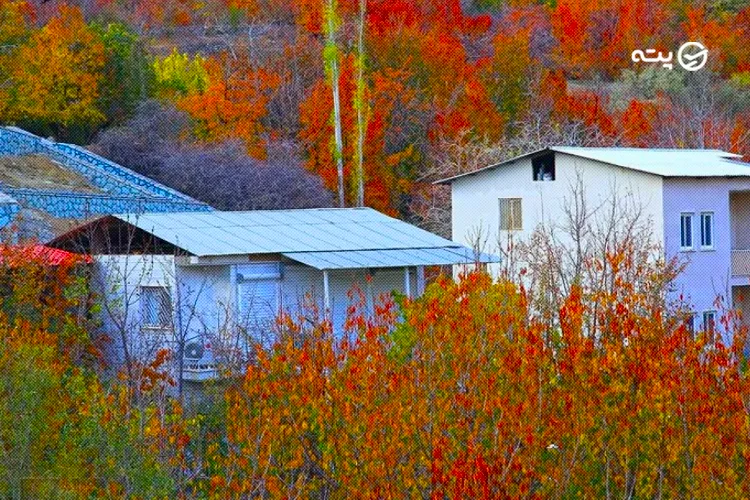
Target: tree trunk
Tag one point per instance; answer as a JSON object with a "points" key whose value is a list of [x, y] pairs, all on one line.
{"points": [[331, 57], [360, 107]]}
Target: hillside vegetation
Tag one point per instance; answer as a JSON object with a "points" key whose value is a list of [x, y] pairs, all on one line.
{"points": [[426, 88]]}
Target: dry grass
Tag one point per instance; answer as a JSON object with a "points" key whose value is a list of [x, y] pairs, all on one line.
{"points": [[40, 172]]}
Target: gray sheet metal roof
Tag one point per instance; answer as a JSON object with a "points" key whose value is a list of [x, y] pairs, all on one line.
{"points": [[656, 161], [333, 238], [390, 258]]}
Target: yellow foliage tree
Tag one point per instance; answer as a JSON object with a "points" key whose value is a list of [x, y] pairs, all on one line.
{"points": [[179, 75], [56, 75]]}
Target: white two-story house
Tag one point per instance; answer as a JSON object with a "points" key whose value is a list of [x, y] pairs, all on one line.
{"points": [[697, 202]]}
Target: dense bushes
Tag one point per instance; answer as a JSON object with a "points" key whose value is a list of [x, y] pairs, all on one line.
{"points": [[469, 396], [467, 392], [156, 143]]}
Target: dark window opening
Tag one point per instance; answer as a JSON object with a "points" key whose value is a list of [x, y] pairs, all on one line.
{"points": [[544, 167]]}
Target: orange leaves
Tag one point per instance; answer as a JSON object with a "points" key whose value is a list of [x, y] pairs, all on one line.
{"points": [[57, 73], [233, 103], [385, 97], [471, 396], [638, 123]]}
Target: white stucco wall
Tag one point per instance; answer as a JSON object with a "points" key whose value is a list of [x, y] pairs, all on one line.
{"points": [[475, 198], [204, 297], [117, 280]]}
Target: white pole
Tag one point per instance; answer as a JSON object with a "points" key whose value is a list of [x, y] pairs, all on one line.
{"points": [[326, 295], [407, 282]]}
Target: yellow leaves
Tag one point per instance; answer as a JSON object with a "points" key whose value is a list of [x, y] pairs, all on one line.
{"points": [[57, 72], [179, 75]]}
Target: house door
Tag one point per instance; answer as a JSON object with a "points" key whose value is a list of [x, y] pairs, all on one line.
{"points": [[258, 298]]}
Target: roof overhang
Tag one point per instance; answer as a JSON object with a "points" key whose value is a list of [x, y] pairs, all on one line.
{"points": [[413, 257], [729, 166], [449, 180]]}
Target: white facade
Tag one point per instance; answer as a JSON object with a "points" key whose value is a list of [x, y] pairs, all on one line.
{"points": [[214, 306], [476, 198], [697, 204]]}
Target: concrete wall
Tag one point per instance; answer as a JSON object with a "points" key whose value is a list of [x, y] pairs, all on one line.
{"points": [[117, 279], [707, 273]]}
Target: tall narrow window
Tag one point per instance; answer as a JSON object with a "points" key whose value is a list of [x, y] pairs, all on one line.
{"points": [[690, 322], [709, 321], [156, 307], [707, 230], [511, 218], [686, 232]]}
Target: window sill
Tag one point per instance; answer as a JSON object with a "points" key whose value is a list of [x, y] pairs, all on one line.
{"points": [[687, 250], [708, 249], [156, 329]]}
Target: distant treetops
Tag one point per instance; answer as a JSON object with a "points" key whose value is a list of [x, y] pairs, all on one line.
{"points": [[433, 76]]}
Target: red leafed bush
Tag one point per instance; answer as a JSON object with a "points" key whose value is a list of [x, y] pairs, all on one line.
{"points": [[471, 394]]}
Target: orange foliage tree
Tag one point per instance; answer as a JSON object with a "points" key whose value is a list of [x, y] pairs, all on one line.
{"points": [[57, 74], [66, 432], [234, 102], [471, 394]]}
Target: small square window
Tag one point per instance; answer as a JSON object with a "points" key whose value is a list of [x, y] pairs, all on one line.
{"points": [[511, 218], [544, 167], [707, 230], [686, 232], [709, 321], [156, 307]]}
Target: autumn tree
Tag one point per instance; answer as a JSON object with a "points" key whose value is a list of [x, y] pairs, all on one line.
{"points": [[15, 17], [57, 77], [233, 103]]}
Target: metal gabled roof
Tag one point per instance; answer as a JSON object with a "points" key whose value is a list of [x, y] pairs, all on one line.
{"points": [[656, 161], [334, 231]]}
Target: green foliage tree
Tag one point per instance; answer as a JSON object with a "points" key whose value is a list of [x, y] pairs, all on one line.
{"points": [[128, 76], [178, 75]]}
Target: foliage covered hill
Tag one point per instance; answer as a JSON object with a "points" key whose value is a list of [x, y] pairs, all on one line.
{"points": [[471, 391], [438, 87]]}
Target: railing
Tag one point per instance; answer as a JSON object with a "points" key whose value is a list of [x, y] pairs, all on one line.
{"points": [[740, 262], [198, 371]]}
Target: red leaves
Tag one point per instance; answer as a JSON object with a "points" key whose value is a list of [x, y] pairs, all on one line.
{"points": [[638, 123], [473, 396]]}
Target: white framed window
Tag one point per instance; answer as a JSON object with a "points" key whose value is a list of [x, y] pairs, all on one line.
{"points": [[691, 322], [709, 321], [259, 295], [686, 231], [707, 230], [156, 307], [511, 216]]}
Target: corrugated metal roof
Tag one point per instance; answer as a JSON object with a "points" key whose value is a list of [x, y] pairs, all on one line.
{"points": [[328, 238], [358, 259], [662, 162]]}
